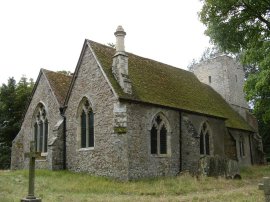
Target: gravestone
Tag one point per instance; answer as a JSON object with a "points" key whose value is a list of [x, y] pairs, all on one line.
{"points": [[32, 155], [265, 186]]}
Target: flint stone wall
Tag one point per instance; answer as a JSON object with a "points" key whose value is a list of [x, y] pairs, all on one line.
{"points": [[108, 157], [141, 162], [21, 143], [190, 126], [246, 159]]}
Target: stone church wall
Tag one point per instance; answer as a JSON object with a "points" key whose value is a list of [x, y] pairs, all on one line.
{"points": [[141, 162], [56, 147], [230, 147], [246, 159], [17, 152], [191, 125], [108, 157], [21, 143]]}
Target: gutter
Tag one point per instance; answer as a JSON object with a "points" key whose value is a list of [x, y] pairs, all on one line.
{"points": [[62, 113]]}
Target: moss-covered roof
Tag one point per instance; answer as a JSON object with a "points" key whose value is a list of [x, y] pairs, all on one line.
{"points": [[59, 83], [157, 83]]}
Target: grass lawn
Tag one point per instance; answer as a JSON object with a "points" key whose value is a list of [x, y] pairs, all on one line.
{"points": [[71, 187]]}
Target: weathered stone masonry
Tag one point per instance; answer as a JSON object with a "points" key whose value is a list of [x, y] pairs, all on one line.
{"points": [[44, 95], [109, 155], [129, 102]]}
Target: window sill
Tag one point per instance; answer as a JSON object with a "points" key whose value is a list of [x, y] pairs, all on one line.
{"points": [[205, 155], [86, 149], [43, 157], [160, 155], [44, 154]]}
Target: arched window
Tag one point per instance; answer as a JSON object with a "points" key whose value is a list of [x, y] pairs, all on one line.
{"points": [[159, 136], [41, 129], [86, 125], [205, 139]]}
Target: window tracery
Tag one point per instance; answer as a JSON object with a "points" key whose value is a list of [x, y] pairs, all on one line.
{"points": [[86, 125], [41, 125], [205, 139], [159, 136]]}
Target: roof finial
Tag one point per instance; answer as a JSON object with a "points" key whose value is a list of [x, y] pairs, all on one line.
{"points": [[120, 39]]}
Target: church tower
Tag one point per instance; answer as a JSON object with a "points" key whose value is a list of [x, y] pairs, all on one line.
{"points": [[226, 76]]}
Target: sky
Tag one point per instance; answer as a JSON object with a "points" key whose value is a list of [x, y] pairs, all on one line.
{"points": [[49, 34]]}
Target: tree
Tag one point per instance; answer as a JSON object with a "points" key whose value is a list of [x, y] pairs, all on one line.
{"points": [[243, 27], [13, 99]]}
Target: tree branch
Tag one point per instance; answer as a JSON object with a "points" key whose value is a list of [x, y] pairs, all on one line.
{"points": [[257, 15]]}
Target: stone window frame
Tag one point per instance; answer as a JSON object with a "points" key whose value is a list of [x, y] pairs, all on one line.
{"points": [[165, 122], [86, 106], [204, 130], [40, 121]]}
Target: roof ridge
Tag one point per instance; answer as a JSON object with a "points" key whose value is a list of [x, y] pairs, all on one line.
{"points": [[165, 85], [145, 58], [55, 72]]}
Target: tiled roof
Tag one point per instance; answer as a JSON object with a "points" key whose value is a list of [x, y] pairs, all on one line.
{"points": [[59, 83], [161, 84]]}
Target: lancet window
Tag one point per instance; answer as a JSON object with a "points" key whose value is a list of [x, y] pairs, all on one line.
{"points": [[159, 136], [41, 125], [205, 139], [86, 125]]}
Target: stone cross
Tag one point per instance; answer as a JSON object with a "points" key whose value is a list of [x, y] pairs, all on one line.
{"points": [[32, 155], [265, 186]]}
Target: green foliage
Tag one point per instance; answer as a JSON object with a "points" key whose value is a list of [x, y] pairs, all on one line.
{"points": [[13, 100], [69, 186], [243, 26], [236, 24]]}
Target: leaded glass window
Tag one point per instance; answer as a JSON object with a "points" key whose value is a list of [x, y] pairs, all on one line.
{"points": [[205, 140], [159, 136], [36, 134], [46, 136], [41, 129], [91, 128], [163, 140], [83, 129], [153, 140], [87, 125]]}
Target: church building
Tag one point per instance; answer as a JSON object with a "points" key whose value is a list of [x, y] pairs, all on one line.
{"points": [[128, 117]]}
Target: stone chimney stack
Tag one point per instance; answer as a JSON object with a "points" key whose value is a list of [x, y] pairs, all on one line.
{"points": [[120, 39], [120, 61]]}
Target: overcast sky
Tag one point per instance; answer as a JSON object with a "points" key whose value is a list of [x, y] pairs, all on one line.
{"points": [[49, 34]]}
